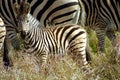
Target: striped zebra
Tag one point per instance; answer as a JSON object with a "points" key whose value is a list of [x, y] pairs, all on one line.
{"points": [[3, 43], [48, 12], [63, 39], [103, 16]]}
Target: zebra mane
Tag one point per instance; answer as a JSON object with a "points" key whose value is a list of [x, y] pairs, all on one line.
{"points": [[22, 8]]}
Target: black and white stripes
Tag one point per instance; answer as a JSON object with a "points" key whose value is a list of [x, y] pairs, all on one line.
{"points": [[55, 11], [2, 33], [63, 39], [48, 12], [103, 16]]}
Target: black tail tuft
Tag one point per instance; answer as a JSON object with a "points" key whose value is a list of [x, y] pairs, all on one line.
{"points": [[88, 57]]}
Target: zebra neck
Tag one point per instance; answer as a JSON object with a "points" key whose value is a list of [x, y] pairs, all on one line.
{"points": [[34, 37], [33, 22]]}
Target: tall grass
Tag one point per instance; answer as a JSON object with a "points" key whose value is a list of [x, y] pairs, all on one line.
{"points": [[104, 67]]}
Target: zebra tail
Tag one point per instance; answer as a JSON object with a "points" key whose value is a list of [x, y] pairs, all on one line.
{"points": [[88, 57]]}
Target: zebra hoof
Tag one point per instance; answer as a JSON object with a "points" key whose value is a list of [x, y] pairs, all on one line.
{"points": [[7, 64]]}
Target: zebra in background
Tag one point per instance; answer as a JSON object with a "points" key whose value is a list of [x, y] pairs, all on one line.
{"points": [[48, 12], [103, 16], [62, 39]]}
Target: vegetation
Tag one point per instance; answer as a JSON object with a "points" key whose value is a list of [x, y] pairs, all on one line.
{"points": [[104, 67]]}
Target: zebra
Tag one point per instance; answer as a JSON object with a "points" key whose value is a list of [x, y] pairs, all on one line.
{"points": [[3, 43], [40, 41], [103, 16], [48, 12]]}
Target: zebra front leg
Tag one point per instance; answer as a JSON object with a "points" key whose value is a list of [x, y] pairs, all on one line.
{"points": [[42, 57]]}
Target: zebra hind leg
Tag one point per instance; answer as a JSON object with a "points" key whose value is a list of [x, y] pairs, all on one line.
{"points": [[78, 53], [6, 58], [81, 62], [101, 40]]}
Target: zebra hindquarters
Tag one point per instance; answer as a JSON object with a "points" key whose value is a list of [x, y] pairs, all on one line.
{"points": [[78, 50]]}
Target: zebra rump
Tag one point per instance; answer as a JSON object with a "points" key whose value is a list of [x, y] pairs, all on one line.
{"points": [[103, 16]]}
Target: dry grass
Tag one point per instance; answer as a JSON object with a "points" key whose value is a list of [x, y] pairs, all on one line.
{"points": [[27, 68]]}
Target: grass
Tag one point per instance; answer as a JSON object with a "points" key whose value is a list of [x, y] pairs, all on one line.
{"points": [[104, 67]]}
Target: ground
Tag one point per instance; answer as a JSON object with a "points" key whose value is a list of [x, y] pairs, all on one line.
{"points": [[104, 67]]}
